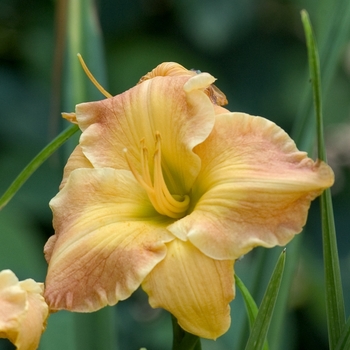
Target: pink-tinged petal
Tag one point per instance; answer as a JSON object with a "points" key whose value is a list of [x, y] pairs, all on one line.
{"points": [[254, 188], [167, 69], [220, 110], [216, 96], [76, 160], [174, 106], [194, 288], [71, 117], [108, 238], [23, 311]]}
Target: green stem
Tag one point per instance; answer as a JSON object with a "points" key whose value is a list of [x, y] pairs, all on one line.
{"points": [[96, 330], [36, 162], [183, 340]]}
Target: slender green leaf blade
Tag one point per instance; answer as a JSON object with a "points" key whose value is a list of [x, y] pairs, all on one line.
{"points": [[251, 307], [314, 66], [335, 34], [35, 163], [334, 292], [336, 30], [262, 322]]}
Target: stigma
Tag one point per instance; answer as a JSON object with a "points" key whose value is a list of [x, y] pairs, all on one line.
{"points": [[165, 203]]}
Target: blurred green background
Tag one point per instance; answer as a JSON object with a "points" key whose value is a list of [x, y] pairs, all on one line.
{"points": [[256, 50]]}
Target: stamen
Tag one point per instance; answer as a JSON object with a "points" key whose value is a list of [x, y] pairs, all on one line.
{"points": [[161, 188], [144, 163], [163, 201], [92, 78], [138, 177]]}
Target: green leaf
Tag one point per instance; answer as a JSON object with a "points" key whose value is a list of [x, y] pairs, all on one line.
{"points": [[251, 307], [314, 66], [334, 293], [336, 30], [262, 322]]}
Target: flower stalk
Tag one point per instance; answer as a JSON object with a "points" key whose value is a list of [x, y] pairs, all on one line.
{"points": [[183, 340]]}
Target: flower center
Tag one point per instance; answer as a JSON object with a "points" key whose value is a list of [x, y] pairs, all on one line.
{"points": [[174, 206]]}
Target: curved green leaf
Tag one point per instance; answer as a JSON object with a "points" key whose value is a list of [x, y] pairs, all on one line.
{"points": [[36, 162]]}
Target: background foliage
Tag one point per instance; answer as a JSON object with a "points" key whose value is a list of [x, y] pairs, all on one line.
{"points": [[256, 49]]}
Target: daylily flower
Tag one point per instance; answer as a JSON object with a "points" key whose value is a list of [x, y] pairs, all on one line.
{"points": [[166, 189], [23, 311]]}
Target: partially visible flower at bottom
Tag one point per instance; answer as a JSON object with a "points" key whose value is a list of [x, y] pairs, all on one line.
{"points": [[23, 311], [165, 190]]}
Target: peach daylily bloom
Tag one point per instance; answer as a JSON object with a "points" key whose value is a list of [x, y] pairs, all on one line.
{"points": [[23, 311], [166, 189]]}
